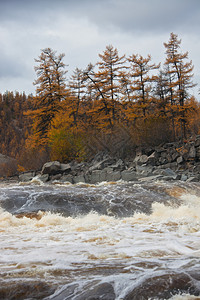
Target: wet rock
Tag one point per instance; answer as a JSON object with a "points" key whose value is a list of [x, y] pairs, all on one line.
{"points": [[44, 177], [25, 290], [102, 291], [25, 177], [164, 287]]}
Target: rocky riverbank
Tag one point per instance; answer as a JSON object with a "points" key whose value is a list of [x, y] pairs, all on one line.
{"points": [[172, 161]]}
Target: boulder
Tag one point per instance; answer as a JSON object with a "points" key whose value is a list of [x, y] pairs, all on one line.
{"points": [[129, 175], [25, 177], [67, 178], [97, 176], [51, 168], [79, 178], [44, 177], [114, 176], [65, 168], [192, 152]]}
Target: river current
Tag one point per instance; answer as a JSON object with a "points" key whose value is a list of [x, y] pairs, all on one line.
{"points": [[109, 241]]}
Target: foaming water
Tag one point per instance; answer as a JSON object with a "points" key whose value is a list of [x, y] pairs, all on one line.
{"points": [[134, 241]]}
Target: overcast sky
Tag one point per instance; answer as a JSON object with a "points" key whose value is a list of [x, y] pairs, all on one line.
{"points": [[83, 28]]}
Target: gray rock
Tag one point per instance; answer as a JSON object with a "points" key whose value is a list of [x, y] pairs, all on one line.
{"points": [[129, 175], [192, 179], [56, 177], [65, 168], [67, 178], [79, 178], [97, 176], [152, 158], [192, 152], [168, 172], [119, 165], [114, 176], [144, 170], [184, 177], [25, 177], [44, 177], [151, 178], [101, 164], [141, 159], [51, 168], [180, 159]]}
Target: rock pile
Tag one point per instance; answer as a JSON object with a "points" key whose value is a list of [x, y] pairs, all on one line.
{"points": [[172, 161]]}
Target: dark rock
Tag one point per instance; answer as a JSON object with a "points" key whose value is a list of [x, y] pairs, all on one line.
{"points": [[25, 177], [102, 291], [51, 168], [56, 177], [65, 168], [164, 287]]}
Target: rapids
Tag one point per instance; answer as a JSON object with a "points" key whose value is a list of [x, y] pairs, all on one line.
{"points": [[109, 241]]}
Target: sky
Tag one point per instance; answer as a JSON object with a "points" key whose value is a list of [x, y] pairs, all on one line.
{"points": [[81, 29]]}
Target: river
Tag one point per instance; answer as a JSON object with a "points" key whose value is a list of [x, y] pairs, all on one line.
{"points": [[109, 241]]}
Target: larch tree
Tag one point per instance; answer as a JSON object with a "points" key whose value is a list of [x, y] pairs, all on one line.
{"points": [[106, 83], [77, 86], [179, 71], [50, 91], [142, 81]]}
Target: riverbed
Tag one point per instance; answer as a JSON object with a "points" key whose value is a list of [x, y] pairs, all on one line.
{"points": [[113, 240]]}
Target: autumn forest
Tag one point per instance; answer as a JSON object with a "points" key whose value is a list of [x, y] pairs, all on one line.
{"points": [[116, 105]]}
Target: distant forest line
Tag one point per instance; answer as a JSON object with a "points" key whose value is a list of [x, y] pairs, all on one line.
{"points": [[116, 105]]}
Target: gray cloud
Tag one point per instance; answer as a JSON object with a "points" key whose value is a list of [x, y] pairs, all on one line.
{"points": [[82, 29]]}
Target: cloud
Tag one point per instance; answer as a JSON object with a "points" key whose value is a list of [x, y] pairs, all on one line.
{"points": [[82, 29]]}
